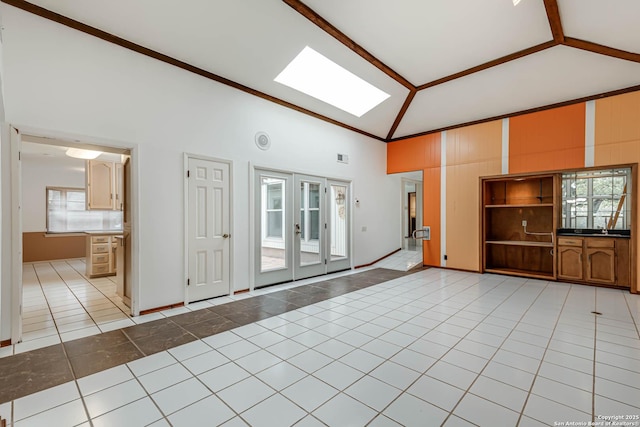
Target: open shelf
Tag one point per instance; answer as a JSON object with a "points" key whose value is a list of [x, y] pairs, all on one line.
{"points": [[529, 205], [520, 243], [508, 246]]}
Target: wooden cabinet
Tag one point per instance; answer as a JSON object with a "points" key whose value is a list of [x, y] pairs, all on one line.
{"points": [[594, 260], [570, 259], [103, 185], [101, 255], [519, 222]]}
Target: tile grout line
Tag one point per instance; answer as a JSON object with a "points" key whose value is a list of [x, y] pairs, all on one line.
{"points": [[467, 391]]}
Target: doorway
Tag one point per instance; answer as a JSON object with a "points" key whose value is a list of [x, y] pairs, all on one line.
{"points": [[302, 226], [208, 208], [60, 283], [411, 184]]}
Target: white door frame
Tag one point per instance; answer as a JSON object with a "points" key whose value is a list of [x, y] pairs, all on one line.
{"points": [[185, 212], [69, 140], [419, 207], [16, 237]]}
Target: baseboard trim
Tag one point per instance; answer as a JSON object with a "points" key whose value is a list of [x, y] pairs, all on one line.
{"points": [[165, 307], [378, 260]]}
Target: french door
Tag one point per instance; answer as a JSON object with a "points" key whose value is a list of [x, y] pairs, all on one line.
{"points": [[301, 228]]}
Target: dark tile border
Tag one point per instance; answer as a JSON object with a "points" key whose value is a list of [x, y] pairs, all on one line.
{"points": [[37, 370]]}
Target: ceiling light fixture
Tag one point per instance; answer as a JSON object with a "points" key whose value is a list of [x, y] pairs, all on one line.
{"points": [[317, 76], [80, 153], [515, 2]]}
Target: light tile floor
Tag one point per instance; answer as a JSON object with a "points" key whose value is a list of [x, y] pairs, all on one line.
{"points": [[437, 347]]}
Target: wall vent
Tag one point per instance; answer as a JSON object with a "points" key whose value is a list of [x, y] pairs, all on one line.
{"points": [[343, 158]]}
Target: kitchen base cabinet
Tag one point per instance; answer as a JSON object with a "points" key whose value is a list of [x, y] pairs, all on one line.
{"points": [[101, 255], [594, 260]]}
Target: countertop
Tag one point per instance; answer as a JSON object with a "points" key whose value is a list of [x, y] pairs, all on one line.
{"points": [[104, 232], [585, 232]]}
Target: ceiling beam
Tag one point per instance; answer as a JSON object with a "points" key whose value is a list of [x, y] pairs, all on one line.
{"points": [[602, 50], [318, 20], [402, 112], [108, 37], [553, 15], [519, 113], [490, 64]]}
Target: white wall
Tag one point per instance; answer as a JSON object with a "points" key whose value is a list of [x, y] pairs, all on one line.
{"points": [[65, 81], [40, 172]]}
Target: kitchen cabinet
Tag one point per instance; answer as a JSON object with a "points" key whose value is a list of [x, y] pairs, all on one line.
{"points": [[519, 220], [594, 260], [103, 185], [101, 255], [570, 259]]}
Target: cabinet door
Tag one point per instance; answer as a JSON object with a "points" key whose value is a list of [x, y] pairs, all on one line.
{"points": [[118, 176], [570, 262], [601, 265], [99, 185]]}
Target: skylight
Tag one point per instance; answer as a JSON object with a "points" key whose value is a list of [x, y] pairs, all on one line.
{"points": [[317, 76]]}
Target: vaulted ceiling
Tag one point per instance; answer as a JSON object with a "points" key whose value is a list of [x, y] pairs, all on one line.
{"points": [[445, 63]]}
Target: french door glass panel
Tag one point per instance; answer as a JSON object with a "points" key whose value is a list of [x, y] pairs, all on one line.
{"points": [[273, 244], [310, 225], [338, 221], [338, 226], [309, 228]]}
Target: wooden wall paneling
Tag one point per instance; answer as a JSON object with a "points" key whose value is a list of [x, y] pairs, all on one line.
{"points": [[617, 141], [37, 247], [472, 152], [547, 140]]}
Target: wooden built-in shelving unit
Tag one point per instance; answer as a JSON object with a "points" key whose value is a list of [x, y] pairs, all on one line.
{"points": [[509, 247]]}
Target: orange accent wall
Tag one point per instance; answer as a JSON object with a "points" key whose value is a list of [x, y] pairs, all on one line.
{"points": [[472, 152], [617, 141], [413, 154], [547, 140]]}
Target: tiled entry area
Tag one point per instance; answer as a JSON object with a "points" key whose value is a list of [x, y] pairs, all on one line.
{"points": [[429, 348], [61, 304], [402, 260]]}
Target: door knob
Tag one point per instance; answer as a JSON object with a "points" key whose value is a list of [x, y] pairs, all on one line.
{"points": [[226, 236]]}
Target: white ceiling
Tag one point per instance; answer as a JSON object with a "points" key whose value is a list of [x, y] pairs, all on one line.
{"points": [[251, 41]]}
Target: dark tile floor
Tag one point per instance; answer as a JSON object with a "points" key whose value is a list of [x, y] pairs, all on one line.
{"points": [[37, 370]]}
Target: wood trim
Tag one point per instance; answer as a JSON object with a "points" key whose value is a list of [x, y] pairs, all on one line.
{"points": [[318, 20], [5, 343], [402, 112], [553, 15], [490, 64], [601, 49], [108, 37], [378, 260], [164, 307], [634, 287], [531, 110]]}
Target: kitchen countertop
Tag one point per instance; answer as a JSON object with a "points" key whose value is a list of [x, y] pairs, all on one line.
{"points": [[622, 234], [104, 232]]}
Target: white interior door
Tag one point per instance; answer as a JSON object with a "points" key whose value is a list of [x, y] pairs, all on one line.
{"points": [[309, 254], [208, 229]]}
